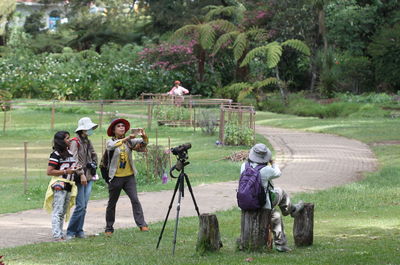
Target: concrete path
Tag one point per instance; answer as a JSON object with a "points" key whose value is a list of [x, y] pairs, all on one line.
{"points": [[310, 161]]}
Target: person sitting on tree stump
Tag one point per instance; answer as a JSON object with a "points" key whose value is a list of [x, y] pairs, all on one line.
{"points": [[260, 155]]}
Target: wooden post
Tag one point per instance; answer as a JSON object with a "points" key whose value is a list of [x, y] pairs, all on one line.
{"points": [[169, 153], [53, 111], [26, 167], [254, 233], [209, 238], [4, 122], [303, 226], [194, 119], [101, 114], [221, 125], [149, 116]]}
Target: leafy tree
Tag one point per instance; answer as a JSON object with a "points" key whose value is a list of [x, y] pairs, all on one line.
{"points": [[7, 7], [34, 23], [385, 52], [204, 34], [272, 53], [350, 25]]}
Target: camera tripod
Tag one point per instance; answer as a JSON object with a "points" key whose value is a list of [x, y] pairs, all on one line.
{"points": [[180, 166]]}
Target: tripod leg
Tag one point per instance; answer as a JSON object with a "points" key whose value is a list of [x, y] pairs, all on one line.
{"points": [[169, 210], [178, 208], [191, 193]]}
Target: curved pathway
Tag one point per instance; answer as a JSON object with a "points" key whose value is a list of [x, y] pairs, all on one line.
{"points": [[309, 162]]}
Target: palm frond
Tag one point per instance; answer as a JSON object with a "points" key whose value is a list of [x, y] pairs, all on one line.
{"points": [[266, 82], [239, 46], [216, 11], [274, 53], [257, 34], [224, 38], [207, 36], [183, 31], [298, 45], [259, 51], [223, 25]]}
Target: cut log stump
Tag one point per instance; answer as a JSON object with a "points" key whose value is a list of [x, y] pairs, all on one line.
{"points": [[209, 238], [303, 227], [255, 234]]}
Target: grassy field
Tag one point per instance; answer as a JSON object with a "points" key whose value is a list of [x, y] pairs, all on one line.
{"points": [[355, 224], [33, 126]]}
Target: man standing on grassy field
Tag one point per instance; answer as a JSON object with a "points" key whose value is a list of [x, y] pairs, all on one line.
{"points": [[260, 156]]}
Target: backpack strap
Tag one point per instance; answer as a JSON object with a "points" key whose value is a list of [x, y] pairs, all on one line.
{"points": [[76, 140]]}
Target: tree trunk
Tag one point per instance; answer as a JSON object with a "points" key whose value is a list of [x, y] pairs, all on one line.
{"points": [[255, 232], [209, 238], [303, 227]]}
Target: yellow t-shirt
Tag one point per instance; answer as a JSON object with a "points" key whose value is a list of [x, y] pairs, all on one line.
{"points": [[124, 168]]}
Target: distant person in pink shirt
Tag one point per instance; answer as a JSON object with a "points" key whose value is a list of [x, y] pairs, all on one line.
{"points": [[178, 91]]}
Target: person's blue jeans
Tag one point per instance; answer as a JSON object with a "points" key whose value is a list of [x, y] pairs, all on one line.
{"points": [[75, 226]]}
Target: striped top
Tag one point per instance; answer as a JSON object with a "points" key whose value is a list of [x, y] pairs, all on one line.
{"points": [[59, 163]]}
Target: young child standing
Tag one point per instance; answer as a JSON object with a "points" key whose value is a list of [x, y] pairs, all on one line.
{"points": [[61, 192]]}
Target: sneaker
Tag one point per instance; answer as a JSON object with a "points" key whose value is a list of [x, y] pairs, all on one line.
{"points": [[108, 233], [283, 249], [297, 208], [81, 236], [69, 237], [144, 228]]}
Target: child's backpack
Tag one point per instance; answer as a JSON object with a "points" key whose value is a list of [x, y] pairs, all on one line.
{"points": [[251, 194], [105, 164]]}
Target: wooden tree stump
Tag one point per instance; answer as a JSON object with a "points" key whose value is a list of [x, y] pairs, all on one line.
{"points": [[303, 227], [255, 234], [209, 238]]}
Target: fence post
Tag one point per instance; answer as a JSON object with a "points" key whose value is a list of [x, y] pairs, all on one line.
{"points": [[221, 125], [4, 122], [169, 153], [53, 110], [194, 118], [26, 167], [101, 114], [149, 116]]}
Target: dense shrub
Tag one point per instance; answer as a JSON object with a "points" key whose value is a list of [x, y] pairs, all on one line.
{"points": [[234, 134], [165, 112]]}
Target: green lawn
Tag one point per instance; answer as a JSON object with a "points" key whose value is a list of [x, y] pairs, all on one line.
{"points": [[355, 224], [33, 126]]}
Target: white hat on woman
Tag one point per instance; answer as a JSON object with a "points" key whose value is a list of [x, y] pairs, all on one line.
{"points": [[85, 124], [260, 154]]}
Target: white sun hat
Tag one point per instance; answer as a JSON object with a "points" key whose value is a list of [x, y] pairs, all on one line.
{"points": [[85, 124], [260, 154]]}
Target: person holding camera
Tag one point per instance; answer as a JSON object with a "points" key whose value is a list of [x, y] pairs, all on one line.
{"points": [[61, 192], [83, 151], [260, 156], [122, 171]]}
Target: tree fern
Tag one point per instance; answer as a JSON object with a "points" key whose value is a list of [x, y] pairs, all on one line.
{"points": [[298, 45], [216, 11], [207, 36], [274, 53], [184, 31], [257, 34], [223, 25], [239, 46], [224, 38], [266, 82]]}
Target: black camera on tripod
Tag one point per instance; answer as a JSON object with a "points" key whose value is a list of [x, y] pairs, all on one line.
{"points": [[182, 149], [182, 155]]}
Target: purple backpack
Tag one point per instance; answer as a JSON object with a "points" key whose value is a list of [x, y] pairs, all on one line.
{"points": [[251, 194]]}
